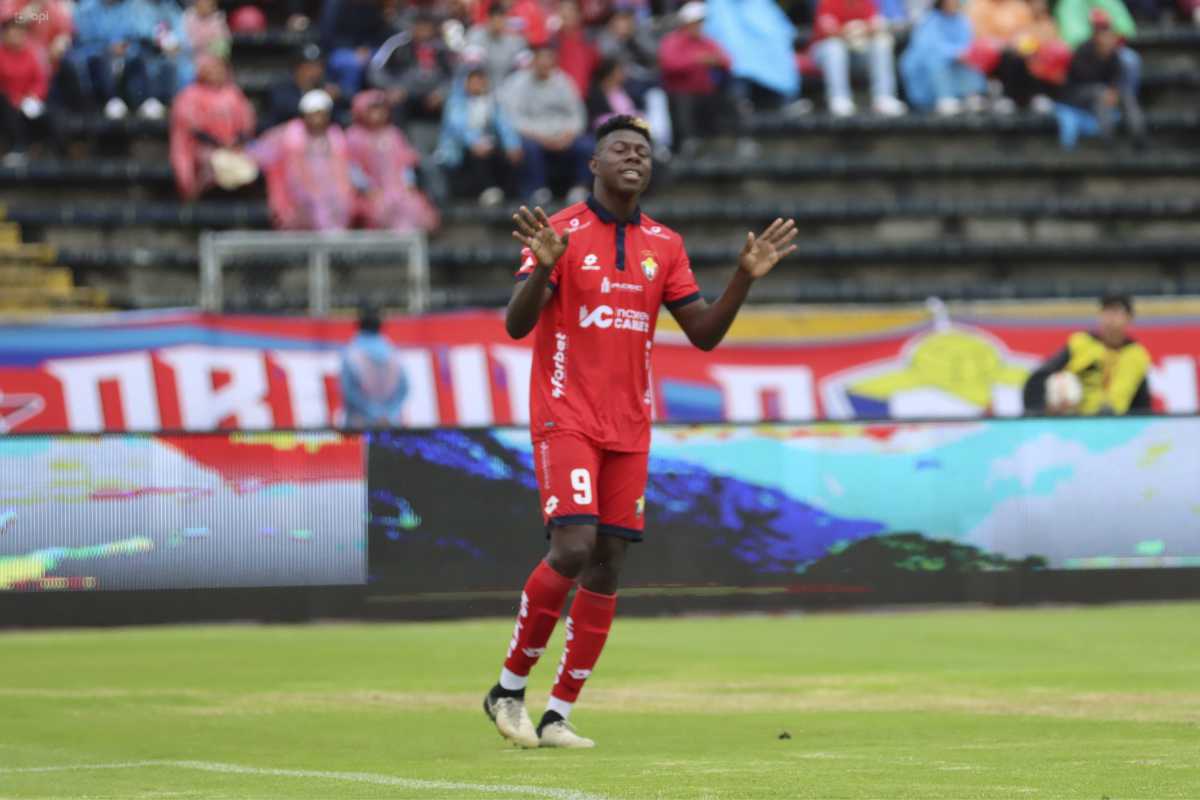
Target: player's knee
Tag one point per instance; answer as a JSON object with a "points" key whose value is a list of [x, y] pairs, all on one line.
{"points": [[601, 577], [571, 549]]}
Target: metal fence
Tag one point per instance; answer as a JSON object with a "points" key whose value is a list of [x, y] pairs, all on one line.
{"points": [[218, 249]]}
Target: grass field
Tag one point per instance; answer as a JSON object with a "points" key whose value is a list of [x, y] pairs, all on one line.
{"points": [[1048, 703]]}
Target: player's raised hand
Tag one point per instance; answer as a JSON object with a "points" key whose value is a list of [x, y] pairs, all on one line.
{"points": [[761, 253], [534, 231]]}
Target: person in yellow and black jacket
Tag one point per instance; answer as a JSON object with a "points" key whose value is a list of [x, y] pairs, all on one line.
{"points": [[1112, 368]]}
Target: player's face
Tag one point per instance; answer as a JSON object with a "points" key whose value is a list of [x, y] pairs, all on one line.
{"points": [[622, 162], [1114, 322]]}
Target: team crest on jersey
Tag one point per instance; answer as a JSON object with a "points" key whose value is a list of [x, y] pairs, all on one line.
{"points": [[649, 265]]}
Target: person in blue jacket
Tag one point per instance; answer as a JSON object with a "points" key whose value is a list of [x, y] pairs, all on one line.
{"points": [[372, 377], [932, 67], [479, 145]]}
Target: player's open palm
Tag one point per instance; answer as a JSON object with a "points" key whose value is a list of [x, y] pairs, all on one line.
{"points": [[761, 253], [535, 232]]}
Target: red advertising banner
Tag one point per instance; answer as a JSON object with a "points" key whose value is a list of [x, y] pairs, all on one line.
{"points": [[194, 371]]}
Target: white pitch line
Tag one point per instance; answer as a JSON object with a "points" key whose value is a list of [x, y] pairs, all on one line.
{"points": [[354, 777]]}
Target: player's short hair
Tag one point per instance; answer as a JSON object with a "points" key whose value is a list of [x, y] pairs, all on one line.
{"points": [[1117, 299], [623, 122]]}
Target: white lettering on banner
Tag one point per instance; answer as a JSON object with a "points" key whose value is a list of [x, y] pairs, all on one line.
{"points": [[421, 407], [743, 388], [516, 362], [1174, 381], [133, 374], [471, 385], [306, 372], [244, 397]]}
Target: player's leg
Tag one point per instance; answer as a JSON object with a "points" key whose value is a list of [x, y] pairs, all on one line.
{"points": [[566, 467], [621, 488]]}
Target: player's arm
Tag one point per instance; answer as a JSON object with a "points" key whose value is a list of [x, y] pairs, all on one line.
{"points": [[545, 247], [1033, 393], [706, 325], [1129, 373]]}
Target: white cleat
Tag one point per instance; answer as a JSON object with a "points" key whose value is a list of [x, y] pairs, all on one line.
{"points": [[561, 734], [512, 720]]}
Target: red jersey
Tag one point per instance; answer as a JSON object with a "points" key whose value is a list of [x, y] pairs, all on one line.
{"points": [[593, 340]]}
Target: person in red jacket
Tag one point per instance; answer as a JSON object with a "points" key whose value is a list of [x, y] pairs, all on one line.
{"points": [[847, 30], [24, 82], [695, 75], [577, 56]]}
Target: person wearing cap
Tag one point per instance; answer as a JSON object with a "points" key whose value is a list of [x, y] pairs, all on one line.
{"points": [[1098, 82], [307, 166], [1112, 368], [24, 83], [496, 44], [308, 73], [211, 122], [695, 75]]}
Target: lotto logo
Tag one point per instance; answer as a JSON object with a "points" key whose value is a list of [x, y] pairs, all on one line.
{"points": [[590, 262], [551, 505], [579, 674], [533, 652]]}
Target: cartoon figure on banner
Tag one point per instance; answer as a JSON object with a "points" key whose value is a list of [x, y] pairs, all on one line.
{"points": [[950, 371]]}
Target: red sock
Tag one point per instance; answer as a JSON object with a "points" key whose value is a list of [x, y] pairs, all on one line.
{"points": [[587, 629], [541, 605]]}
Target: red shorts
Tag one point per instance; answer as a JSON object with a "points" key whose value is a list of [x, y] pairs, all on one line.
{"points": [[581, 484]]}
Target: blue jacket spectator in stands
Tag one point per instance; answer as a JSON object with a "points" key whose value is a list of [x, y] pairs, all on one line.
{"points": [[478, 144], [351, 30], [372, 377], [164, 64], [104, 51], [759, 38], [932, 66]]}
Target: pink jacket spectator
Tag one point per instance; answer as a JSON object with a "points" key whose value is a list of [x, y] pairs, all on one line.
{"points": [[308, 177], [387, 161], [211, 113], [833, 15], [682, 59]]}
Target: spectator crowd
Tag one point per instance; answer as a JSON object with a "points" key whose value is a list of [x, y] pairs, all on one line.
{"points": [[392, 108]]}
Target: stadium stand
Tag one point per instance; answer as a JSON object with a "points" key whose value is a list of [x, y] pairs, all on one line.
{"points": [[979, 205]]}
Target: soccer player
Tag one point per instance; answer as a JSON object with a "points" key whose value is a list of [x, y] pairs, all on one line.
{"points": [[590, 286]]}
